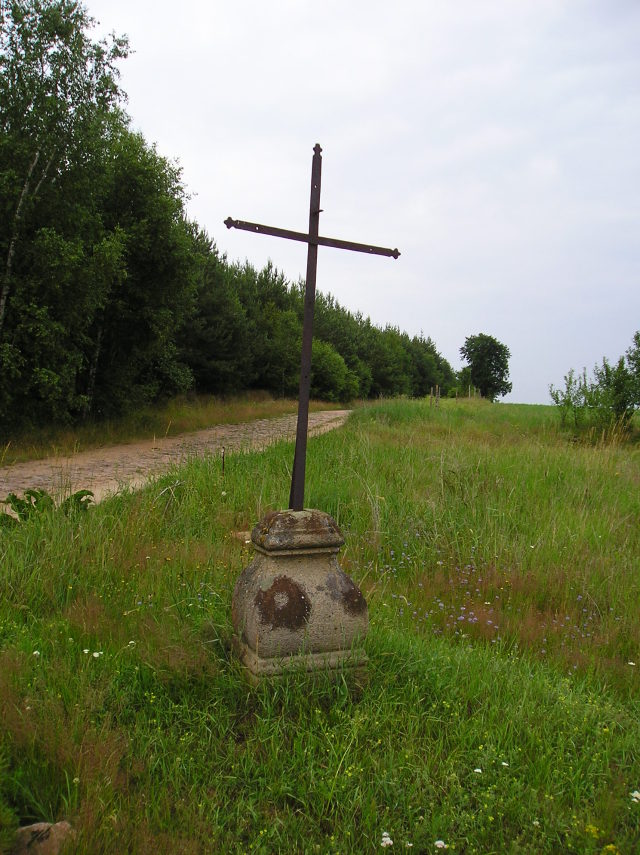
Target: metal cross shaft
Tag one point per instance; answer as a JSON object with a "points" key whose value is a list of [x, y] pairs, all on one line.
{"points": [[313, 240]]}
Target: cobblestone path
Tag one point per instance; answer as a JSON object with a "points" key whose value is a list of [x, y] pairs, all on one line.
{"points": [[105, 470]]}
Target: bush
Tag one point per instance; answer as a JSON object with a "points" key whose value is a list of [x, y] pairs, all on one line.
{"points": [[331, 380], [605, 403]]}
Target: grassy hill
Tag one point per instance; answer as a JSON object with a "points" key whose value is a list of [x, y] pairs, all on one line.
{"points": [[501, 713]]}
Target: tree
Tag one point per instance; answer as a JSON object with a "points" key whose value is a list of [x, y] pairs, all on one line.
{"points": [[331, 380], [137, 331], [489, 362], [633, 361], [214, 341], [53, 81], [608, 401], [613, 391]]}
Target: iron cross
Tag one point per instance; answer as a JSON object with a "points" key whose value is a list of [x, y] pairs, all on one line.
{"points": [[313, 241]]}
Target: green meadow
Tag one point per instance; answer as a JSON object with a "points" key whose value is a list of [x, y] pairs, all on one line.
{"points": [[501, 709]]}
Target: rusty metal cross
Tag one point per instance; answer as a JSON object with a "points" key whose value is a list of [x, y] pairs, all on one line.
{"points": [[313, 241]]}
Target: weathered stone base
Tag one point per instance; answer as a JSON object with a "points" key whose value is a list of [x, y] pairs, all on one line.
{"points": [[334, 663], [293, 607]]}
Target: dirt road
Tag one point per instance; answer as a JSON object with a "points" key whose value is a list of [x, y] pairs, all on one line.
{"points": [[105, 470]]}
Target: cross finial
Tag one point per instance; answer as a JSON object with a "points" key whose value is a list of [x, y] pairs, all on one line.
{"points": [[317, 149]]}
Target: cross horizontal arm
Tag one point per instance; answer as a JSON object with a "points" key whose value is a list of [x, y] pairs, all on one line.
{"points": [[304, 238]]}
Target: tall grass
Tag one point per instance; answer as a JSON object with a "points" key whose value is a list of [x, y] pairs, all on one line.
{"points": [[497, 716]]}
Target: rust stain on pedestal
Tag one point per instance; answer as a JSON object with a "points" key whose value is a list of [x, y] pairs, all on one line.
{"points": [[283, 605]]}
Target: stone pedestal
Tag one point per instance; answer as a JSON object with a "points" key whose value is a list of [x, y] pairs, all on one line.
{"points": [[293, 607]]}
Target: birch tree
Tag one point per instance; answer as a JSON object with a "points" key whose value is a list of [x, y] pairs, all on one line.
{"points": [[53, 80]]}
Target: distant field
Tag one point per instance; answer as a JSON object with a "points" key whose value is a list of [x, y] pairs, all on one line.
{"points": [[180, 415], [501, 563]]}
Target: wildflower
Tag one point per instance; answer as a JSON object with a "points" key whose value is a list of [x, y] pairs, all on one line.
{"points": [[630, 663], [131, 643], [386, 840], [478, 771], [440, 844], [635, 796], [97, 653], [224, 493], [86, 650], [76, 780], [36, 653], [536, 822], [504, 763]]}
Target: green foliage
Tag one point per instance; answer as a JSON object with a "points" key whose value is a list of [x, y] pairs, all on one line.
{"points": [[633, 363], [98, 272], [606, 403], [215, 342], [55, 84], [35, 502], [331, 380], [572, 400], [78, 502], [489, 363], [613, 390]]}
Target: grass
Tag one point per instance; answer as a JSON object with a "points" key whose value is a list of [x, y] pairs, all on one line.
{"points": [[501, 564], [179, 415]]}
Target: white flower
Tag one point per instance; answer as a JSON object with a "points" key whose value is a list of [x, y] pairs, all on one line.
{"points": [[536, 822], [630, 663], [504, 763], [224, 493], [131, 643], [36, 653], [97, 653], [386, 840], [635, 796], [86, 650], [440, 844], [478, 770]]}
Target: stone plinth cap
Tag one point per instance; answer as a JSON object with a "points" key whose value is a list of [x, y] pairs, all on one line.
{"points": [[285, 530]]}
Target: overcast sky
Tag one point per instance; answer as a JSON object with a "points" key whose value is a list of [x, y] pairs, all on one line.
{"points": [[496, 143]]}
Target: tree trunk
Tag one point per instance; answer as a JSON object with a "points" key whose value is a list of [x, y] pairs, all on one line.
{"points": [[4, 293], [91, 385]]}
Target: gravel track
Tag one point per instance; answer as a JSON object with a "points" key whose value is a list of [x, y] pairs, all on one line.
{"points": [[106, 470]]}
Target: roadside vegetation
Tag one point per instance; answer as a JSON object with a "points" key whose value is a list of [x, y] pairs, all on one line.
{"points": [[501, 713]]}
